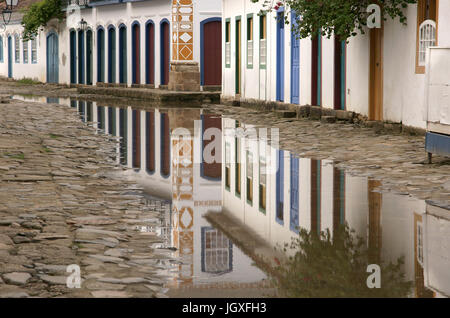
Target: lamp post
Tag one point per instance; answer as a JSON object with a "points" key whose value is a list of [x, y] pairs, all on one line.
{"points": [[7, 11], [83, 25]]}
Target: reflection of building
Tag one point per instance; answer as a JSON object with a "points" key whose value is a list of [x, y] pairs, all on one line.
{"points": [[172, 164], [315, 195]]}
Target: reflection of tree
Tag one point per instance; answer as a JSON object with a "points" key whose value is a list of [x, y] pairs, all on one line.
{"points": [[336, 266]]}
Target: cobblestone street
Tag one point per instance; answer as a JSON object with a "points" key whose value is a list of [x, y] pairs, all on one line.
{"points": [[62, 202]]}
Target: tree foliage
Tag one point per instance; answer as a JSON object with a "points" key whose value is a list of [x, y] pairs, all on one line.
{"points": [[341, 17], [326, 266], [39, 14]]}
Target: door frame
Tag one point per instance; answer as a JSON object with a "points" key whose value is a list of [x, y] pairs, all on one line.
{"points": [[202, 46], [55, 72], [238, 58], [376, 85], [280, 42], [112, 55], [294, 100]]}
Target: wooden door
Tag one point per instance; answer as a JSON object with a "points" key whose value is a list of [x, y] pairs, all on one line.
{"points": [[165, 53], [89, 57], [150, 53], [376, 75], [136, 45], [212, 53], [52, 58]]}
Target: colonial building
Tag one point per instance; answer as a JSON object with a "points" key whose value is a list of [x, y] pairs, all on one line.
{"points": [[121, 42], [381, 74]]}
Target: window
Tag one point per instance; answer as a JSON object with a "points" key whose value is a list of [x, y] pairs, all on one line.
{"points": [[217, 252], [16, 49], [262, 41], [25, 51], [426, 31], [228, 43], [250, 41], [1, 49], [33, 51], [249, 177], [227, 166]]}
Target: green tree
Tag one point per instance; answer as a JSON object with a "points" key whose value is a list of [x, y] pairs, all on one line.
{"points": [[39, 14], [341, 17], [326, 266]]}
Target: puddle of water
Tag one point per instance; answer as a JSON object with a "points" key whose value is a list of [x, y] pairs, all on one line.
{"points": [[270, 191]]}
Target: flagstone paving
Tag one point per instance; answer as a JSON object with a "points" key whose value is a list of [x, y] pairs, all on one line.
{"points": [[64, 201]]}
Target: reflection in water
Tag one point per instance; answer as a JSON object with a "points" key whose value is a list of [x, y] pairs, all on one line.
{"points": [[336, 266], [273, 192]]}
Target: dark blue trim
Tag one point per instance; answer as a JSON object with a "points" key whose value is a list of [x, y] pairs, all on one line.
{"points": [[134, 78], [161, 45], [73, 56], [147, 55], [202, 44]]}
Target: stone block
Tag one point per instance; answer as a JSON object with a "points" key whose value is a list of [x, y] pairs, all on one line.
{"points": [[315, 112]]}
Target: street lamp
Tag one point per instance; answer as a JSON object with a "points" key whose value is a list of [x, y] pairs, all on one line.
{"points": [[83, 25], [6, 13]]}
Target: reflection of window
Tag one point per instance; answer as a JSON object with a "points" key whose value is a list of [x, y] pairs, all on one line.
{"points": [[250, 41], [249, 177], [227, 165], [217, 252], [262, 41], [420, 243], [426, 32], [227, 43]]}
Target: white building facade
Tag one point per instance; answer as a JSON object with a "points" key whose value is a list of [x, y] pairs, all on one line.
{"points": [[380, 74]]}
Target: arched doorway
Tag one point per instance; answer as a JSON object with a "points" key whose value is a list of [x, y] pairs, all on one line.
{"points": [[80, 57], [123, 54], [150, 53], [52, 58], [101, 55], [89, 57], [73, 57], [136, 52], [111, 54], [211, 54], [165, 52]]}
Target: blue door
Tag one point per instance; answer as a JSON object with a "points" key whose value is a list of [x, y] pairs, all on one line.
{"points": [[123, 55], [280, 187], [89, 57], [294, 220], [280, 56], [52, 58], [111, 55], [295, 64], [73, 57], [80, 57], [10, 61]]}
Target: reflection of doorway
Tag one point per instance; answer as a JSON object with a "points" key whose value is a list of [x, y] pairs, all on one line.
{"points": [[238, 56], [217, 252], [316, 195], [136, 119], [376, 75], [280, 187], [295, 175], [375, 201]]}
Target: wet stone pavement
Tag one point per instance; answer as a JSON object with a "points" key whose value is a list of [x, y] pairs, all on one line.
{"points": [[63, 201], [398, 160]]}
